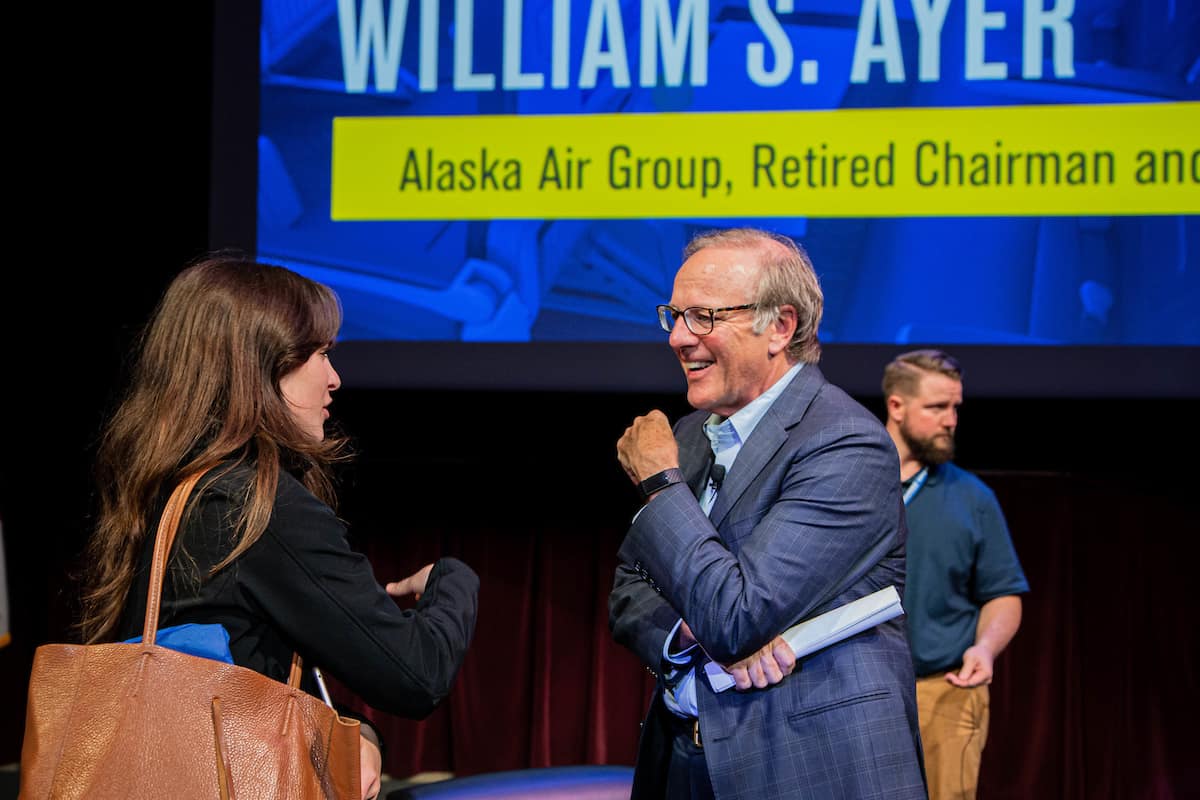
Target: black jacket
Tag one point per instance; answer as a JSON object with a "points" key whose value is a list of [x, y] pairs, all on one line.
{"points": [[300, 587]]}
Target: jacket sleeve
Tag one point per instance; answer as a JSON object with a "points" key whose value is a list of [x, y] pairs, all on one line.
{"points": [[325, 598], [818, 519], [639, 618]]}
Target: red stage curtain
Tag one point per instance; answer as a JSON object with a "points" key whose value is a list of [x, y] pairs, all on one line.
{"points": [[1093, 699]]}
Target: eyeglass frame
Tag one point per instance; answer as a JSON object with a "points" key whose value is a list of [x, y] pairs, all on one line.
{"points": [[676, 313]]}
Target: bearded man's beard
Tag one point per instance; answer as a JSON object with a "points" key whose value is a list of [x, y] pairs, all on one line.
{"points": [[934, 450]]}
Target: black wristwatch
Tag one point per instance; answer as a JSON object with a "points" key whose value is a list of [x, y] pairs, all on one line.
{"points": [[660, 480]]}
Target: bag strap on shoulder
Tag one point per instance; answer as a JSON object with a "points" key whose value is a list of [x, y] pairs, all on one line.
{"points": [[167, 526]]}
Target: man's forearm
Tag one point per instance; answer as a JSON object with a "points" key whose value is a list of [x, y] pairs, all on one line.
{"points": [[999, 620]]}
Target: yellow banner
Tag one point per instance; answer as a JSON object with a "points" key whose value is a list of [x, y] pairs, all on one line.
{"points": [[1076, 160]]}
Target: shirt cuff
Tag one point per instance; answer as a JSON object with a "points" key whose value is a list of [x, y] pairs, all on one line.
{"points": [[681, 657]]}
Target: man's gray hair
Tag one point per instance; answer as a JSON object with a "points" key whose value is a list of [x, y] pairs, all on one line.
{"points": [[787, 277]]}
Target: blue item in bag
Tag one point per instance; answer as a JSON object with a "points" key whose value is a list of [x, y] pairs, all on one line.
{"points": [[207, 640]]}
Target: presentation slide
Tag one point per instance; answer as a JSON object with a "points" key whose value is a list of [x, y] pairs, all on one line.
{"points": [[979, 172]]}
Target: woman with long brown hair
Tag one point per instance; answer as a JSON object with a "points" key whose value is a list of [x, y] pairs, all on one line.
{"points": [[233, 376]]}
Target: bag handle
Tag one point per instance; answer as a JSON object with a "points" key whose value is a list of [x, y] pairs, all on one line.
{"points": [[168, 525]]}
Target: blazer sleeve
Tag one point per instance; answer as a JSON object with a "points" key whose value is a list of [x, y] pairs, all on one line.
{"points": [[818, 518], [639, 618]]}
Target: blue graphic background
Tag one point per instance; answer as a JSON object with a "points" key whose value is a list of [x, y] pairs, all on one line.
{"points": [[964, 280]]}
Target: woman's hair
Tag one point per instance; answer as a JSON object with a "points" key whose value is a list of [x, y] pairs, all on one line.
{"points": [[205, 390], [787, 277]]}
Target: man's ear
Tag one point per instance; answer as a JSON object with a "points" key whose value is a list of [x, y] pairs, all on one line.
{"points": [[782, 329], [895, 406]]}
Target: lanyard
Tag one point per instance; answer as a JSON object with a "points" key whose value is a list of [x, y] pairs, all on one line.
{"points": [[918, 481]]}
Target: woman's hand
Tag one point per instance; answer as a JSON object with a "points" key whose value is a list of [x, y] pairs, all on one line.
{"points": [[414, 584]]}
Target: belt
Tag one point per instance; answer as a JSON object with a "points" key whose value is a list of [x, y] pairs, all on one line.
{"points": [[685, 726]]}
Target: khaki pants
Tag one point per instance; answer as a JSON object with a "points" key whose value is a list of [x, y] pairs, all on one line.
{"points": [[954, 725]]}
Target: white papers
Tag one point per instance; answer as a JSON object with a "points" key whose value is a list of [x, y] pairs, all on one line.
{"points": [[825, 629]]}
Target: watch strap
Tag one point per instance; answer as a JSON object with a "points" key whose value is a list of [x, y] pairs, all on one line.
{"points": [[660, 480]]}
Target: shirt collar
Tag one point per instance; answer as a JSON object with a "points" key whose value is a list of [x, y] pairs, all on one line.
{"points": [[746, 419]]}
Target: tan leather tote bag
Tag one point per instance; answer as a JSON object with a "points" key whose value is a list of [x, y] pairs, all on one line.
{"points": [[144, 721]]}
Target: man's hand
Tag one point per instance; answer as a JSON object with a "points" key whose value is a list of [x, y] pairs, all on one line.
{"points": [[414, 584], [648, 446], [999, 619], [976, 668], [765, 668]]}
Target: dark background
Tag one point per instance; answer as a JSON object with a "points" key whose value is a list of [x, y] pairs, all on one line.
{"points": [[111, 191]]}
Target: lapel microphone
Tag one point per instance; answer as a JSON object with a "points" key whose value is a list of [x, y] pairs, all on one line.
{"points": [[717, 475]]}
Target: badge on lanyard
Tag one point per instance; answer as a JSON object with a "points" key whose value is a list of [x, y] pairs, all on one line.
{"points": [[918, 481]]}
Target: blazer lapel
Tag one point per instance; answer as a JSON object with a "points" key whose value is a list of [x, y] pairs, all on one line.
{"points": [[695, 458], [768, 436]]}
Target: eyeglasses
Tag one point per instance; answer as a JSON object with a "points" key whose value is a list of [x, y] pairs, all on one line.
{"points": [[698, 319]]}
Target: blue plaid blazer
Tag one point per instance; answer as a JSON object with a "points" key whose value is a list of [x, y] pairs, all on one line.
{"points": [[809, 517]]}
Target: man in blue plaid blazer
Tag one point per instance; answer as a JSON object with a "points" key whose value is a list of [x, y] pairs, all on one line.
{"points": [[775, 501]]}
